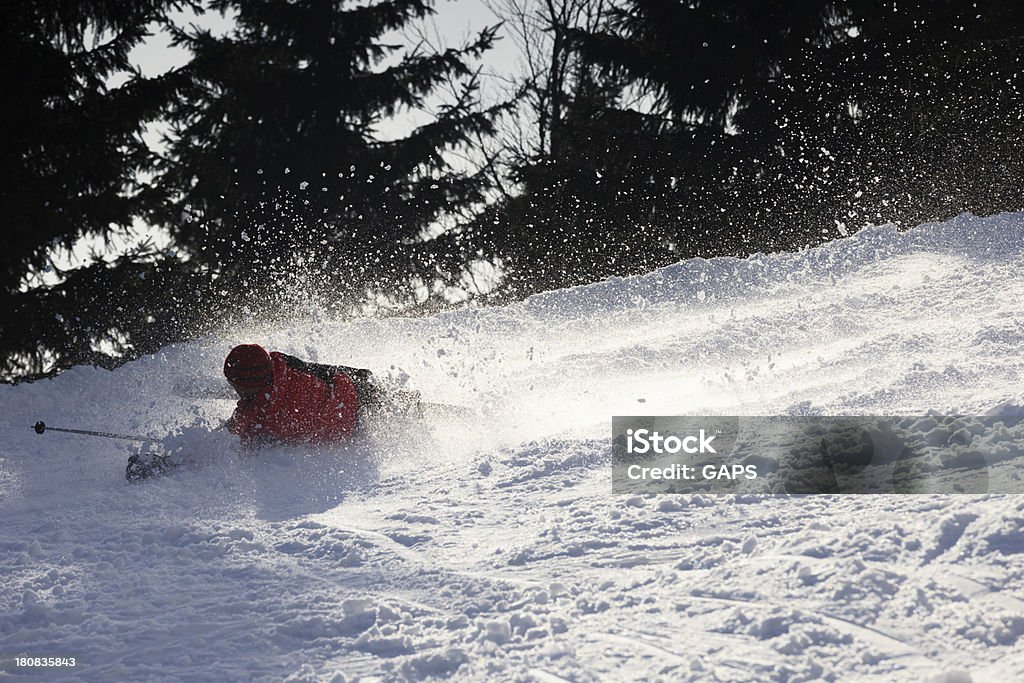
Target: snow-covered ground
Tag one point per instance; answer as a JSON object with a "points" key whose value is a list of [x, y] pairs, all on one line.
{"points": [[492, 548]]}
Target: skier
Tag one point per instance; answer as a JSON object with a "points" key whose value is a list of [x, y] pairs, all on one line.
{"points": [[283, 399], [286, 400]]}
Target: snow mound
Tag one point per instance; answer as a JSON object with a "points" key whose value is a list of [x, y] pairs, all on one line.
{"points": [[492, 548]]}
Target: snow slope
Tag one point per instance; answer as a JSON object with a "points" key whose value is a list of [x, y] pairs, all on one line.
{"points": [[491, 548]]}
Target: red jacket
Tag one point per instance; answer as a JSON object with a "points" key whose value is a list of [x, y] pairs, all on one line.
{"points": [[299, 407]]}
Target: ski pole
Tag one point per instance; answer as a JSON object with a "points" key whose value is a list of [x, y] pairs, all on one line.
{"points": [[41, 427]]}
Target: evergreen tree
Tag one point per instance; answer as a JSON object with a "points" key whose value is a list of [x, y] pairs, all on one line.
{"points": [[72, 154], [567, 219], [582, 210], [285, 182], [826, 116], [764, 126]]}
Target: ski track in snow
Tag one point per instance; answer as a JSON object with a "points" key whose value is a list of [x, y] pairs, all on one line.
{"points": [[491, 548]]}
